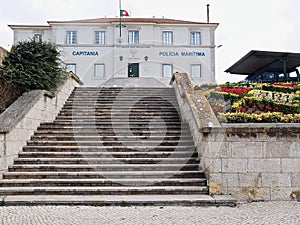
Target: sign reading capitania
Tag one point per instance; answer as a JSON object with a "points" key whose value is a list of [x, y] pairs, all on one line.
{"points": [[85, 53]]}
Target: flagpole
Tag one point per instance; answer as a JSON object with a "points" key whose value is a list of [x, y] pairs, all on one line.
{"points": [[120, 18]]}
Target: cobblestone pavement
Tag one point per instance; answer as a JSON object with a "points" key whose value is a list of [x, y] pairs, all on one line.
{"points": [[253, 213]]}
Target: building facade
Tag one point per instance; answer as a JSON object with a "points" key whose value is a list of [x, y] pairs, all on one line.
{"points": [[100, 51]]}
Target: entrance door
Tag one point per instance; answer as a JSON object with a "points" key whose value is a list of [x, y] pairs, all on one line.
{"points": [[133, 70]]}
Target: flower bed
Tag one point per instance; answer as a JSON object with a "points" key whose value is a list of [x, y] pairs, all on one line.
{"points": [[256, 102]]}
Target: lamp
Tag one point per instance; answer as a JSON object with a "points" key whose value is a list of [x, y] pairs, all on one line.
{"points": [[121, 58], [146, 58]]}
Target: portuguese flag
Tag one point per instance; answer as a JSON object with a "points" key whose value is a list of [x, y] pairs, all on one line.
{"points": [[123, 13]]}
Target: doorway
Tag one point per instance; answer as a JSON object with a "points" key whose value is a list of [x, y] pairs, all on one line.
{"points": [[133, 70]]}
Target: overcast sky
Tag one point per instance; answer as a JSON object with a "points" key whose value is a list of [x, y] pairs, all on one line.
{"points": [[245, 25]]}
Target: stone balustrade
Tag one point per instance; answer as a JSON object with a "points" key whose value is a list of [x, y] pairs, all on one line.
{"points": [[22, 118], [249, 161]]}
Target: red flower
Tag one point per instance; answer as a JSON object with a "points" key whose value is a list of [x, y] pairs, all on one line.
{"points": [[294, 86], [268, 108], [237, 91]]}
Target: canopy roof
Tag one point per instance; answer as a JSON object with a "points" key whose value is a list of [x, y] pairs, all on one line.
{"points": [[264, 61]]}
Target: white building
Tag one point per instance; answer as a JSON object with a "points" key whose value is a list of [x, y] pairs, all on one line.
{"points": [[148, 51]]}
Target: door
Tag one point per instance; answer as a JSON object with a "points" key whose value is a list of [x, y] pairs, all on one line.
{"points": [[133, 70]]}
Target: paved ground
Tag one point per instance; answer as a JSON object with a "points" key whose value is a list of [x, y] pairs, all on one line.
{"points": [[255, 213]]}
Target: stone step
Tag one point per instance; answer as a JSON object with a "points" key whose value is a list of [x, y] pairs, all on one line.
{"points": [[104, 182], [109, 132], [165, 100], [117, 131], [123, 95], [102, 111], [145, 190], [115, 120], [106, 111], [83, 115], [106, 154], [137, 149], [69, 159], [110, 142], [119, 123], [121, 200], [124, 92], [127, 101], [104, 167], [138, 90], [126, 105], [116, 124], [74, 137], [120, 108], [103, 174], [121, 142], [117, 116]]}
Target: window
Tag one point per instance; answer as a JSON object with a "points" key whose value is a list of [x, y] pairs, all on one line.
{"points": [[133, 37], [37, 37], [71, 67], [196, 70], [167, 70], [99, 70], [71, 37], [167, 37], [100, 37], [195, 38]]}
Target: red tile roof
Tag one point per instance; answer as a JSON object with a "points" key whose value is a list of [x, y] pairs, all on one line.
{"points": [[133, 20]]}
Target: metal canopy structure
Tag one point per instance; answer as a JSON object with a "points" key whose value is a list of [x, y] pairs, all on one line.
{"points": [[256, 62]]}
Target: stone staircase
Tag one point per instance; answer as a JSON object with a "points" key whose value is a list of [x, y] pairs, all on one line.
{"points": [[111, 146]]}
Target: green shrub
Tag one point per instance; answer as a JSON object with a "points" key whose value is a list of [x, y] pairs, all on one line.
{"points": [[32, 65]]}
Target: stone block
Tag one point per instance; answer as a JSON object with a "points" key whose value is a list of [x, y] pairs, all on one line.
{"points": [[291, 165], [295, 150], [41, 105], [276, 180], [250, 193], [2, 137], [250, 179], [225, 179], [295, 180], [31, 124], [264, 165], [19, 134], [234, 165], [282, 194], [251, 136], [217, 150], [247, 150], [33, 113], [211, 165], [277, 149]]}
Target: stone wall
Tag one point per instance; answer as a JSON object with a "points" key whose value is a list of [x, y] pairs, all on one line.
{"points": [[249, 161], [253, 161], [21, 119]]}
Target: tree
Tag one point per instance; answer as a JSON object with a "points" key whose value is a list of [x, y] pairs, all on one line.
{"points": [[33, 65]]}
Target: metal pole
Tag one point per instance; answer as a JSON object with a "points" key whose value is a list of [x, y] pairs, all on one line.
{"points": [[120, 18], [285, 68], [207, 13]]}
